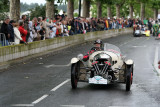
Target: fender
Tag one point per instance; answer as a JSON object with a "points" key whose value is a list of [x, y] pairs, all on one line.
{"points": [[74, 60], [129, 62]]}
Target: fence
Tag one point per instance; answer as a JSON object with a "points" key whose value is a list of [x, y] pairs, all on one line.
{"points": [[2, 39]]}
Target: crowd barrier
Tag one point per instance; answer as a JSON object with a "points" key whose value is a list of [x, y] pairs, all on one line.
{"points": [[2, 39], [17, 51]]}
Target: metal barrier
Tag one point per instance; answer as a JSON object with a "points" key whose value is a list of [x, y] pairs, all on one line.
{"points": [[2, 39]]}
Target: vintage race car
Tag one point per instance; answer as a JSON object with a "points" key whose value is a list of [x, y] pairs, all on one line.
{"points": [[103, 67], [142, 31]]}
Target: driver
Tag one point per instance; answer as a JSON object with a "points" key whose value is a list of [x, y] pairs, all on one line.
{"points": [[98, 47]]}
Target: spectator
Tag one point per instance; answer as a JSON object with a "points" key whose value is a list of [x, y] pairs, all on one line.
{"points": [[53, 31], [46, 26], [11, 31], [5, 30], [30, 39], [22, 31], [17, 37], [26, 26]]}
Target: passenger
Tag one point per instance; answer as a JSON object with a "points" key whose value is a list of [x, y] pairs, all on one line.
{"points": [[98, 47]]}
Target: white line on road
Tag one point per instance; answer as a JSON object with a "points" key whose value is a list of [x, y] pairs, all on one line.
{"points": [[54, 89], [40, 99], [156, 61], [72, 106], [53, 65], [22, 105], [128, 42], [139, 46], [118, 106]]}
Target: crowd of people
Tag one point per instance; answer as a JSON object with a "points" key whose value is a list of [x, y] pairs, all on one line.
{"points": [[41, 28]]}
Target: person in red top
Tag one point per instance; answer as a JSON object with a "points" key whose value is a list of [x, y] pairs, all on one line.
{"points": [[22, 31]]}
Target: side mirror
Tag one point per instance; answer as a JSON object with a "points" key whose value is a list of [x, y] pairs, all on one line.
{"points": [[80, 56]]}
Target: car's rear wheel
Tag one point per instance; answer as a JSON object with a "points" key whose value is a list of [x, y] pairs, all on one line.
{"points": [[74, 75], [129, 78]]}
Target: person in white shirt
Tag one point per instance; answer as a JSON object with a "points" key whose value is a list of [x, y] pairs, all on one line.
{"points": [[17, 37], [53, 31]]}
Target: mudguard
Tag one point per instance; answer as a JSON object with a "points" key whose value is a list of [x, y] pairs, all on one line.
{"points": [[129, 62], [74, 60]]}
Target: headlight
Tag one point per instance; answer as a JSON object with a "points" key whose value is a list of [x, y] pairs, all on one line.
{"points": [[80, 56]]}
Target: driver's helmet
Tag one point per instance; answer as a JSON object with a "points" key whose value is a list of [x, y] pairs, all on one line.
{"points": [[98, 41]]}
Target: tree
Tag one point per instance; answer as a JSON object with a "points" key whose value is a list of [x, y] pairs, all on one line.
{"points": [[142, 11], [99, 9], [109, 4], [131, 8], [50, 8], [86, 8], [70, 8], [155, 7], [118, 4], [15, 9]]}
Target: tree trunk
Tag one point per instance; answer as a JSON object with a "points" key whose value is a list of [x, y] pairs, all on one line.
{"points": [[118, 11], [86, 8], [50, 9], [70, 9], [109, 13], [131, 11], [99, 9], [15, 10], [142, 11], [155, 14]]}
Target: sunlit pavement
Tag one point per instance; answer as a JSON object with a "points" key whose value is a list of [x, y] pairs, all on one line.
{"points": [[33, 83]]}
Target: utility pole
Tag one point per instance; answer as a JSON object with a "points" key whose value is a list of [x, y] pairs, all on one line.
{"points": [[79, 8]]}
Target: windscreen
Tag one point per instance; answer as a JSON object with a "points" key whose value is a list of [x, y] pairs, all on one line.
{"points": [[112, 48]]}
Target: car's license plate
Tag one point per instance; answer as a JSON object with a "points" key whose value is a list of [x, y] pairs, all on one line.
{"points": [[97, 80]]}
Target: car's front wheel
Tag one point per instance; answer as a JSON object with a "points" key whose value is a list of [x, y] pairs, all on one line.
{"points": [[74, 75], [129, 78]]}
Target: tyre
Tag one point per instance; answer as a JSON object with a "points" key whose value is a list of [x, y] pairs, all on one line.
{"points": [[129, 78], [74, 75]]}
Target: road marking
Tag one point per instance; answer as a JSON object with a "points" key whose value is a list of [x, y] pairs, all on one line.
{"points": [[22, 105], [128, 42], [53, 65], [72, 106], [40, 99], [118, 106], [54, 89], [156, 61], [139, 46]]}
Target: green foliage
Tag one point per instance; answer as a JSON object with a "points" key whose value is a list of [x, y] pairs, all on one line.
{"points": [[155, 4], [4, 8], [75, 14], [38, 11]]}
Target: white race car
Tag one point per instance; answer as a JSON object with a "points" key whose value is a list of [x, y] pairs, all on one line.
{"points": [[103, 67]]}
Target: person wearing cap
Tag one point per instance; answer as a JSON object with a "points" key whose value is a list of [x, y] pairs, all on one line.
{"points": [[98, 47], [11, 31]]}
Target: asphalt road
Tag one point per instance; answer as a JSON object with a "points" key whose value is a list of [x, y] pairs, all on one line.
{"points": [[34, 83]]}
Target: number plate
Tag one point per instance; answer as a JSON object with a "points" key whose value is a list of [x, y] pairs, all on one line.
{"points": [[97, 80]]}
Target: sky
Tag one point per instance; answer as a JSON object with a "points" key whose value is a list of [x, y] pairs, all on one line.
{"points": [[34, 1]]}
